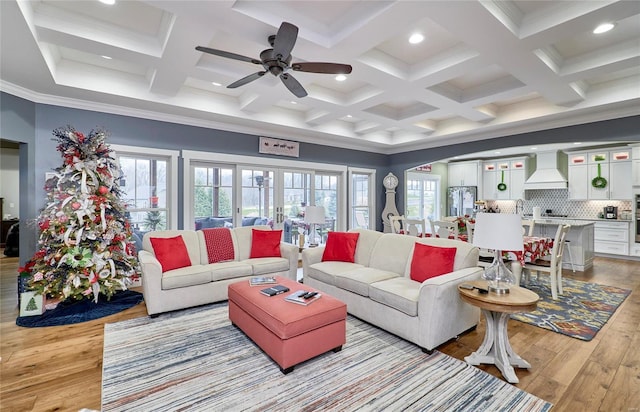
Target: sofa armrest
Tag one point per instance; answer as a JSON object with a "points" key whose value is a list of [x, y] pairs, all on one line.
{"points": [[311, 256], [151, 280], [441, 310], [290, 252]]}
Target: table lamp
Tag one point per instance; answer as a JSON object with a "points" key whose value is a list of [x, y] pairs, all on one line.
{"points": [[314, 215], [498, 231]]}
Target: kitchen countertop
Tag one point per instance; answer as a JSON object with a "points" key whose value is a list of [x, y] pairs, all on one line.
{"points": [[574, 221]]}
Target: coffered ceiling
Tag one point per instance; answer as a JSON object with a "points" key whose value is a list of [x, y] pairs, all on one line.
{"points": [[485, 69]]}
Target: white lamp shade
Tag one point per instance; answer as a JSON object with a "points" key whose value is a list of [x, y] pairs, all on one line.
{"points": [[314, 214], [500, 231]]}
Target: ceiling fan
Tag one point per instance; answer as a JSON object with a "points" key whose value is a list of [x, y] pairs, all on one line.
{"points": [[277, 61]]}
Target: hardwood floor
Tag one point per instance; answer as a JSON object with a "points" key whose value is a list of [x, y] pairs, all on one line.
{"points": [[60, 368]]}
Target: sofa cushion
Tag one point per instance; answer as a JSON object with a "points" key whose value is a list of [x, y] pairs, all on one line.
{"points": [[430, 261], [466, 255], [366, 242], [400, 293], [171, 252], [358, 280], [242, 236], [187, 276], [326, 271], [392, 252], [229, 270], [341, 247], [219, 244], [263, 266], [265, 243]]}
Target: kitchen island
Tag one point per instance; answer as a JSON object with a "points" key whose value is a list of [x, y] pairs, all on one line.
{"points": [[580, 240]]}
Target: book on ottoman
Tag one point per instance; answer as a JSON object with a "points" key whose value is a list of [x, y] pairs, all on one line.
{"points": [[274, 290], [303, 297], [262, 280]]}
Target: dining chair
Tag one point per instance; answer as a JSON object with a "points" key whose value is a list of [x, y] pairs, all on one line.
{"points": [[527, 227], [414, 227], [396, 223], [444, 229], [553, 266]]}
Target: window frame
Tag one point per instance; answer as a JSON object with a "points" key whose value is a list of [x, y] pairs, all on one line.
{"points": [[171, 157]]}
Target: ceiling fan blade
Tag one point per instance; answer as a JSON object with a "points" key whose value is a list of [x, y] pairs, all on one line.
{"points": [[285, 40], [329, 68], [246, 80], [293, 85], [228, 55]]}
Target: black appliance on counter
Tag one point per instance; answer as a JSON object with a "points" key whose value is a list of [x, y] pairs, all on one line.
{"points": [[610, 212]]}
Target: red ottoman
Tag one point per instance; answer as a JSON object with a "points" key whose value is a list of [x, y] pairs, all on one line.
{"points": [[289, 333]]}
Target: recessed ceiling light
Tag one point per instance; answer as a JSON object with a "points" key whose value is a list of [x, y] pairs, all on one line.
{"points": [[576, 143], [216, 84], [106, 57], [496, 152], [534, 148], [341, 77], [109, 2], [294, 102], [603, 28], [349, 116], [416, 38]]}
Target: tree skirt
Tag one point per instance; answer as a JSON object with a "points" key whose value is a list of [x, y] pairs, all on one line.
{"points": [[70, 312]]}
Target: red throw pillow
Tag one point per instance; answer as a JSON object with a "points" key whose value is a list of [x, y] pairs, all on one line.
{"points": [[171, 252], [265, 243], [431, 261], [341, 247]]}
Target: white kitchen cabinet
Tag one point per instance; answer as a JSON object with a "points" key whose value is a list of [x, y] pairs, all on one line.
{"points": [[578, 176], [464, 173], [518, 177], [611, 237], [489, 189], [620, 169], [635, 249]]}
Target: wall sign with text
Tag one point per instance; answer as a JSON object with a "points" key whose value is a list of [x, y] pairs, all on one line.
{"points": [[279, 147]]}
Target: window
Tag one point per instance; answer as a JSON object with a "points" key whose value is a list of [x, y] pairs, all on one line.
{"points": [[361, 198], [326, 195], [147, 186], [212, 191], [422, 195]]}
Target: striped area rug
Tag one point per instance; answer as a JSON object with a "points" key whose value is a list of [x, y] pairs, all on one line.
{"points": [[196, 360]]}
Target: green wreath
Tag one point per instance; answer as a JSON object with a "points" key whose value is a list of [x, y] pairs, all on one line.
{"points": [[599, 182]]}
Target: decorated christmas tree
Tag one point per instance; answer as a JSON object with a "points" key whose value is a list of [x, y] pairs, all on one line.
{"points": [[85, 246]]}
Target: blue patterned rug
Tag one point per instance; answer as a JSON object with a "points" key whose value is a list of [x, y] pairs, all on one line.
{"points": [[196, 360], [580, 312]]}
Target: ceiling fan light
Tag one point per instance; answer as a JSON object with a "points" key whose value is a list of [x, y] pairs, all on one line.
{"points": [[416, 38], [341, 77], [603, 28]]}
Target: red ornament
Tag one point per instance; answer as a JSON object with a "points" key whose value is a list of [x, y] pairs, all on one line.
{"points": [[44, 225], [103, 190], [75, 205]]}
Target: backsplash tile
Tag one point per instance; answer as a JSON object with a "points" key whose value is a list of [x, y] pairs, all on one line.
{"points": [[557, 201]]}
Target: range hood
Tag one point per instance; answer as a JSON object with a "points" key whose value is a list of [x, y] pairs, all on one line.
{"points": [[551, 172]]}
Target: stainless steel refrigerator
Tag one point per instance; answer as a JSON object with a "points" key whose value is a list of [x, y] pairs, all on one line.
{"points": [[461, 200]]}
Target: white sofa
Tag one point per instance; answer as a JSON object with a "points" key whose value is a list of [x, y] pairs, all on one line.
{"points": [[377, 288], [205, 282]]}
